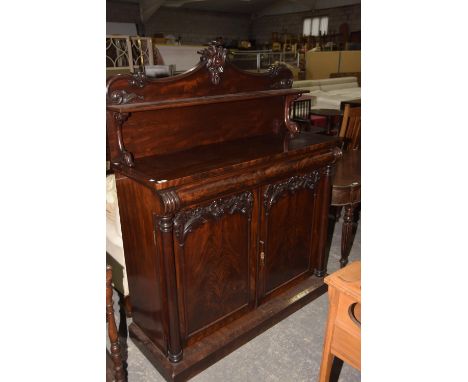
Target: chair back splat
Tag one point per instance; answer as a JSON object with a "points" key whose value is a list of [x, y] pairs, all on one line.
{"points": [[350, 130]]}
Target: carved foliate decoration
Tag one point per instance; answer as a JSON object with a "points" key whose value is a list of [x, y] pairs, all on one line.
{"points": [[276, 68], [187, 221], [275, 191], [338, 153], [284, 83], [121, 97], [138, 79], [214, 57]]}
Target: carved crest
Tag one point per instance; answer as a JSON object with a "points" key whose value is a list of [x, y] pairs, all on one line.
{"points": [[275, 191], [214, 57], [187, 221], [138, 79]]}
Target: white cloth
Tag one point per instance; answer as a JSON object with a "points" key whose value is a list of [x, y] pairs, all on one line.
{"points": [[114, 243]]}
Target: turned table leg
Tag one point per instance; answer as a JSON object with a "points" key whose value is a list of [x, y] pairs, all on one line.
{"points": [[347, 235], [122, 330]]}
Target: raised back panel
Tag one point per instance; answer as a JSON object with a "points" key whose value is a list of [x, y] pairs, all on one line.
{"points": [[172, 114], [183, 128]]}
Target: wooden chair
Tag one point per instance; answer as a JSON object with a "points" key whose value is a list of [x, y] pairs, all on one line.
{"points": [[115, 370], [343, 333], [350, 130]]}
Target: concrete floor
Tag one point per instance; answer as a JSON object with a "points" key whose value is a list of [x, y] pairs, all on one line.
{"points": [[290, 351]]}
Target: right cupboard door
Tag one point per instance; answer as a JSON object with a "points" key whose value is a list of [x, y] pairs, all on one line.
{"points": [[286, 232]]}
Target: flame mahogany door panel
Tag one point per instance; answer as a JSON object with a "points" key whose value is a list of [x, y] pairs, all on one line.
{"points": [[286, 232], [215, 259]]}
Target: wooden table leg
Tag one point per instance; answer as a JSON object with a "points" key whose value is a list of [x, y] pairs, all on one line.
{"points": [[347, 235]]}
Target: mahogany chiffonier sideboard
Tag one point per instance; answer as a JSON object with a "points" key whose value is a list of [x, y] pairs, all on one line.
{"points": [[223, 206]]}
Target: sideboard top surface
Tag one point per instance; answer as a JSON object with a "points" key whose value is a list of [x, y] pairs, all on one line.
{"points": [[200, 162]]}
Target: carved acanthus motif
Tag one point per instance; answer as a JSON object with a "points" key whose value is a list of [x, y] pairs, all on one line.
{"points": [[275, 191], [338, 153], [275, 69], [284, 83], [214, 57], [187, 221], [121, 97], [138, 79], [126, 157]]}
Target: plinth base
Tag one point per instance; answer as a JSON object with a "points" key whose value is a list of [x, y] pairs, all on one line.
{"points": [[212, 348]]}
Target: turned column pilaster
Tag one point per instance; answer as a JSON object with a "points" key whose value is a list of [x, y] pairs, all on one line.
{"points": [[166, 227], [325, 192]]}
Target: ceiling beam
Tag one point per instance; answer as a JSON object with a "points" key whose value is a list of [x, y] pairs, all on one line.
{"points": [[148, 8]]}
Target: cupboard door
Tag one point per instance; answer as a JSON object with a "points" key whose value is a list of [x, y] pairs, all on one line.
{"points": [[215, 264], [286, 238]]}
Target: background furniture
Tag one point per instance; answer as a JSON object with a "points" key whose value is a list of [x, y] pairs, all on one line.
{"points": [[350, 130], [331, 115], [331, 92], [343, 333], [352, 102], [223, 204], [319, 65], [301, 114], [346, 192], [115, 370], [347, 74], [159, 71]]}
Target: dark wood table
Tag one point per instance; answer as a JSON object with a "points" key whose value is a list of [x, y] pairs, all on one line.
{"points": [[329, 114], [346, 192]]}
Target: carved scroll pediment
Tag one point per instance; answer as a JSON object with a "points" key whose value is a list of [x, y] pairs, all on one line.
{"points": [[121, 97], [274, 191], [214, 57], [188, 220]]}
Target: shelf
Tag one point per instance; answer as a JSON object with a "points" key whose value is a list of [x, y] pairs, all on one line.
{"points": [[184, 102]]}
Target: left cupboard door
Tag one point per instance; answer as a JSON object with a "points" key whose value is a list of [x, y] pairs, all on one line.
{"points": [[214, 246]]}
